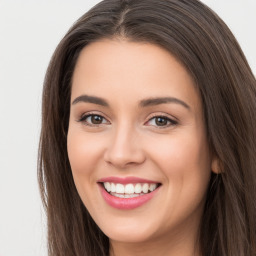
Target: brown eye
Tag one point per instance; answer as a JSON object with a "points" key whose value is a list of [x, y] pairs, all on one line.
{"points": [[93, 120], [96, 119], [161, 122]]}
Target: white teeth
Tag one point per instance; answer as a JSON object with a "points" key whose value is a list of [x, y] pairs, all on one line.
{"points": [[138, 188], [113, 187], [107, 186], [120, 195], [145, 188], [124, 195], [129, 190], [119, 188], [152, 187]]}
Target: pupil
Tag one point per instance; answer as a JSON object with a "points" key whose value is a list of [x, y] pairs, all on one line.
{"points": [[161, 121], [96, 119]]}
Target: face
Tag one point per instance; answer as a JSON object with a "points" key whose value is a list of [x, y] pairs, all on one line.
{"points": [[136, 127]]}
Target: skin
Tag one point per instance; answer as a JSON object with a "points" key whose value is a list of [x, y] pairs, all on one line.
{"points": [[130, 142]]}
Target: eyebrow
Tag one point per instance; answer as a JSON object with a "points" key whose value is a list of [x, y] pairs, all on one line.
{"points": [[143, 103], [162, 100], [91, 99]]}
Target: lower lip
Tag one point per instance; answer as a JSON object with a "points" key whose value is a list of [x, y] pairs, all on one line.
{"points": [[126, 203]]}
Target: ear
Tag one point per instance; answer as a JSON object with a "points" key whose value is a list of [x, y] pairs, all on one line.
{"points": [[215, 165]]}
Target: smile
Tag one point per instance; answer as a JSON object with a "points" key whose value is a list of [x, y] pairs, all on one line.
{"points": [[127, 193], [129, 190]]}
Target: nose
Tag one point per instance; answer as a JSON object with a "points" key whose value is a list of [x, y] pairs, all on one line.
{"points": [[124, 148]]}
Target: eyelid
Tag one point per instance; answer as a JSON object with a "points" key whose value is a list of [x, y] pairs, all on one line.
{"points": [[173, 121], [92, 113]]}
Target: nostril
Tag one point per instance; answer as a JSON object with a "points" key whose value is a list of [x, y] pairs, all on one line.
{"points": [[122, 153]]}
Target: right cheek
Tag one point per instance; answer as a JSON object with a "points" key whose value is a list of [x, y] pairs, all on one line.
{"points": [[80, 166], [84, 152]]}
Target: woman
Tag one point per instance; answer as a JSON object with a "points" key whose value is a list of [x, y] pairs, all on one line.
{"points": [[148, 141]]}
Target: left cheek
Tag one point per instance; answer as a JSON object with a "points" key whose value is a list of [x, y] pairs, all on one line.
{"points": [[187, 172], [183, 159]]}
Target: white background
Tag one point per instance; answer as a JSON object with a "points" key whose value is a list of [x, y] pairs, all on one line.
{"points": [[29, 32]]}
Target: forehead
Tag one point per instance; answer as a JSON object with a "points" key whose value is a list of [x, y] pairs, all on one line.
{"points": [[122, 70]]}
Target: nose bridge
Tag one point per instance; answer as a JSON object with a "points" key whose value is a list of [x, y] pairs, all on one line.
{"points": [[124, 148]]}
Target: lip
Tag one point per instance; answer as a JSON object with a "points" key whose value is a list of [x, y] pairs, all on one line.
{"points": [[126, 180], [126, 203]]}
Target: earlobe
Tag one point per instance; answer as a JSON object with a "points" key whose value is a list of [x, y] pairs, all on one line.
{"points": [[215, 166]]}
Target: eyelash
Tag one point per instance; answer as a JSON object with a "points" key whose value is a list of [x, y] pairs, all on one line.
{"points": [[84, 117], [169, 120]]}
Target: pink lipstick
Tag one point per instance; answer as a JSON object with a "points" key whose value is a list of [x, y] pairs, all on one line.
{"points": [[127, 193]]}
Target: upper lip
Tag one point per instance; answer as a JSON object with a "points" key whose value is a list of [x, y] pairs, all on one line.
{"points": [[126, 180]]}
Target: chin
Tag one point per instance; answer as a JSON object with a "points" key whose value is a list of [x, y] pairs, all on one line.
{"points": [[128, 236], [130, 231]]}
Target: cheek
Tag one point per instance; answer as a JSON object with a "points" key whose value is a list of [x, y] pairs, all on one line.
{"points": [[83, 151], [184, 161], [182, 153], [84, 155]]}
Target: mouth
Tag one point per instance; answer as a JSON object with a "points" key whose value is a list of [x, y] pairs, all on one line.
{"points": [[127, 193], [130, 190]]}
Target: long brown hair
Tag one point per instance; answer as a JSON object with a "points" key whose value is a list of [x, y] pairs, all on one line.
{"points": [[201, 41]]}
